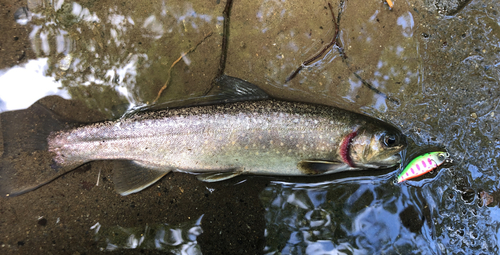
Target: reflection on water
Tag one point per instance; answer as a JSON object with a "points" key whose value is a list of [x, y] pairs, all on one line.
{"points": [[407, 23], [178, 239], [95, 48], [444, 70], [374, 216], [356, 216], [21, 86], [374, 40]]}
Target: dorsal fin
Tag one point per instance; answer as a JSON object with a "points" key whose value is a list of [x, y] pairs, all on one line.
{"points": [[231, 89], [226, 89]]}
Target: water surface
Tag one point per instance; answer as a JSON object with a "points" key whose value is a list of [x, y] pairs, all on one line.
{"points": [[437, 76]]}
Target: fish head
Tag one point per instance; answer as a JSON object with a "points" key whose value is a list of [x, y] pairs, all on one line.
{"points": [[376, 146]]}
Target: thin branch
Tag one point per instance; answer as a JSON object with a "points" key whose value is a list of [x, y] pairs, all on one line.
{"points": [[177, 61], [225, 34], [322, 52]]}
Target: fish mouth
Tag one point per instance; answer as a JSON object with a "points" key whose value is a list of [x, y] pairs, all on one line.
{"points": [[345, 148], [388, 162], [391, 161]]}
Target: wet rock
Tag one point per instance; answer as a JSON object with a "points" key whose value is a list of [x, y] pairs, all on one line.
{"points": [[447, 7], [468, 195], [42, 222], [411, 219], [486, 198]]}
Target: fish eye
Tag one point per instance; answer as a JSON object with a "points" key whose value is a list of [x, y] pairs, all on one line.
{"points": [[390, 140], [441, 156]]}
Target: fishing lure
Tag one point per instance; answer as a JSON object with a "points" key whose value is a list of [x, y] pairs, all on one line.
{"points": [[423, 164]]}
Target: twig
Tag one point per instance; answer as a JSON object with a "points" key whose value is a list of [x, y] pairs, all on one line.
{"points": [[98, 177], [177, 61], [322, 52], [225, 34]]}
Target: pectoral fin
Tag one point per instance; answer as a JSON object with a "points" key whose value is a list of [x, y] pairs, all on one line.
{"points": [[131, 177], [216, 177], [312, 167]]}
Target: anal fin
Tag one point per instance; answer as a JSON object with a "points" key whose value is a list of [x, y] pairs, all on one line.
{"points": [[218, 176], [131, 176]]}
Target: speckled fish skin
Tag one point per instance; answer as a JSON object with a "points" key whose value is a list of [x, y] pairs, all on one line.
{"points": [[262, 137]]}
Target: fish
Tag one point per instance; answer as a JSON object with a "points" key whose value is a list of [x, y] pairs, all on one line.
{"points": [[423, 164], [225, 136]]}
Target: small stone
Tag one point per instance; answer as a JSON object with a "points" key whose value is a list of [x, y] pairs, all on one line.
{"points": [[486, 198], [474, 115], [42, 222]]}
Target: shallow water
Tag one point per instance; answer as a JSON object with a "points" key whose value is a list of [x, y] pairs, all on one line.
{"points": [[437, 76]]}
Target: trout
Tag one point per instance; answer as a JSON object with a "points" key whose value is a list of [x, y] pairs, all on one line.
{"points": [[217, 142]]}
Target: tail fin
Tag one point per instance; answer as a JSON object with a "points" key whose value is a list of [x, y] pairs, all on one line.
{"points": [[26, 163]]}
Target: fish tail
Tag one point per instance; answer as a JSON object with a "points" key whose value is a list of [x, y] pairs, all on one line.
{"points": [[26, 163]]}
